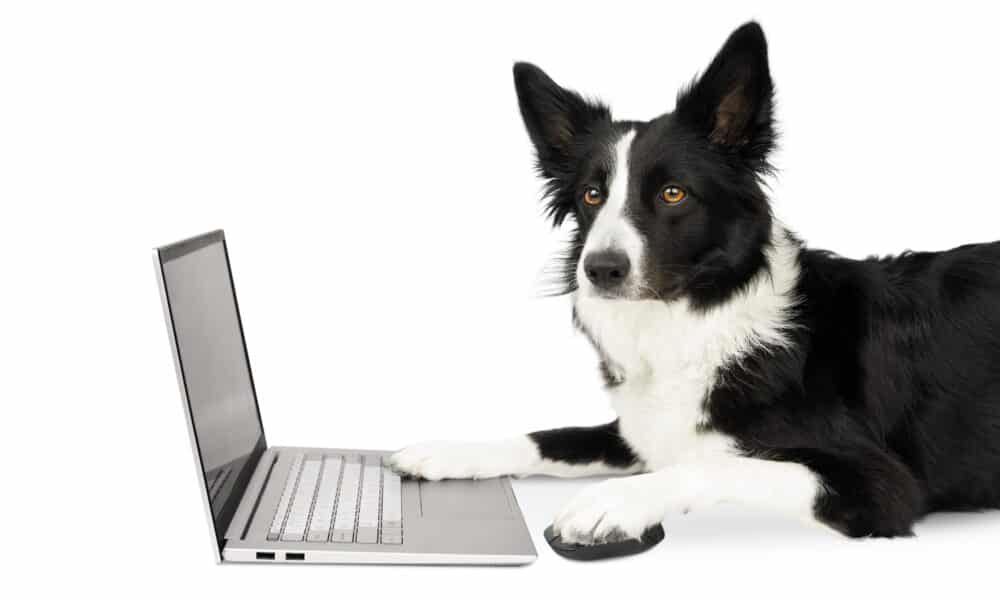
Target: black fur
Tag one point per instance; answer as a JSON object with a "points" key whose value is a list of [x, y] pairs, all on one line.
{"points": [[583, 445], [890, 388], [892, 391]]}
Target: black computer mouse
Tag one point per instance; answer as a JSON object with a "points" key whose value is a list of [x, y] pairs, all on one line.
{"points": [[651, 537]]}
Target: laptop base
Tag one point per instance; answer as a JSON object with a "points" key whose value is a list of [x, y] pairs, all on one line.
{"points": [[470, 522]]}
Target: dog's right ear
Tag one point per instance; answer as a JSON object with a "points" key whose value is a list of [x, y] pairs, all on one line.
{"points": [[554, 117]]}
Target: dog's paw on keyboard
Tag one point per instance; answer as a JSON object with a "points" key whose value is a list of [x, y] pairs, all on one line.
{"points": [[436, 460], [457, 460]]}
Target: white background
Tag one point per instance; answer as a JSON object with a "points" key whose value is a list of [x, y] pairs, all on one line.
{"points": [[370, 168]]}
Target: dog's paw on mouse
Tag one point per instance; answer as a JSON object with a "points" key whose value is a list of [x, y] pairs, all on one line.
{"points": [[611, 511], [454, 460]]}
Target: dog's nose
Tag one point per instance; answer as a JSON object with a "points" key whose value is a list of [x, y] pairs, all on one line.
{"points": [[607, 269]]}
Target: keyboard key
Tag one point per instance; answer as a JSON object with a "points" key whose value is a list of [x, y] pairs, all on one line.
{"points": [[326, 498], [392, 539], [371, 491], [305, 491], [342, 535], [347, 500], [392, 501], [367, 535], [279, 516]]}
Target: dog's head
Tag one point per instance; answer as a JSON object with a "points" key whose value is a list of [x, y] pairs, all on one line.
{"points": [[668, 208]]}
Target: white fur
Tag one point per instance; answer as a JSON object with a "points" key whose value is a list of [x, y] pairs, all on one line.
{"points": [[612, 230], [516, 456], [630, 505]]}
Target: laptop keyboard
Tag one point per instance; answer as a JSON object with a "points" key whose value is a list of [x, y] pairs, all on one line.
{"points": [[348, 499]]}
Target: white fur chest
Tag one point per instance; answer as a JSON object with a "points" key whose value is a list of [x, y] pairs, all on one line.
{"points": [[670, 356], [668, 362]]}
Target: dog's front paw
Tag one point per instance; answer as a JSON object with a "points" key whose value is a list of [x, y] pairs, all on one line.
{"points": [[610, 511], [464, 460]]}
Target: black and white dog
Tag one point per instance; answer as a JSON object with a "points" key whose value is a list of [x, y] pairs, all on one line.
{"points": [[742, 365]]}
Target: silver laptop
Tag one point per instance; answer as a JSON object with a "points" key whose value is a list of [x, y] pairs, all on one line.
{"points": [[311, 505]]}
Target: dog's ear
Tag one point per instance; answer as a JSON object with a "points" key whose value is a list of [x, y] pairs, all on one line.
{"points": [[554, 117], [732, 102]]}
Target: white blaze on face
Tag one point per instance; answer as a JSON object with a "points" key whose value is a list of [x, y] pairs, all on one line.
{"points": [[612, 230]]}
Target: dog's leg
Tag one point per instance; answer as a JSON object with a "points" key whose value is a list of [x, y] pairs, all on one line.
{"points": [[867, 491], [620, 508], [569, 452], [858, 495]]}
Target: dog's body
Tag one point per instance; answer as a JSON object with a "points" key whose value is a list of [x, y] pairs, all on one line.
{"points": [[742, 365]]}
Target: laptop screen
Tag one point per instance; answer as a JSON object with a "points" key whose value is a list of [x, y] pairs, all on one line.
{"points": [[214, 369]]}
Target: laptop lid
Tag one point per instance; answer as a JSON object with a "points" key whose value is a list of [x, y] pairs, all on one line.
{"points": [[213, 370]]}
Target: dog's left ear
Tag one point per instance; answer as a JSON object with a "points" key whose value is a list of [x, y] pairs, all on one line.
{"points": [[732, 101]]}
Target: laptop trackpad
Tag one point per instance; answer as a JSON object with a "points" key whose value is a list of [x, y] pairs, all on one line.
{"points": [[464, 498]]}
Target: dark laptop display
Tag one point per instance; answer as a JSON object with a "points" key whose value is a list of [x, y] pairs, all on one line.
{"points": [[214, 369]]}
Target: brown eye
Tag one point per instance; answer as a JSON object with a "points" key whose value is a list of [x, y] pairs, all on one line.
{"points": [[673, 194], [592, 196]]}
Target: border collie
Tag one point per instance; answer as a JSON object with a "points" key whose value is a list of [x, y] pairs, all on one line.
{"points": [[742, 365]]}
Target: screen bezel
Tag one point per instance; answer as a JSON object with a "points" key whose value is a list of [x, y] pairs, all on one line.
{"points": [[162, 256]]}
